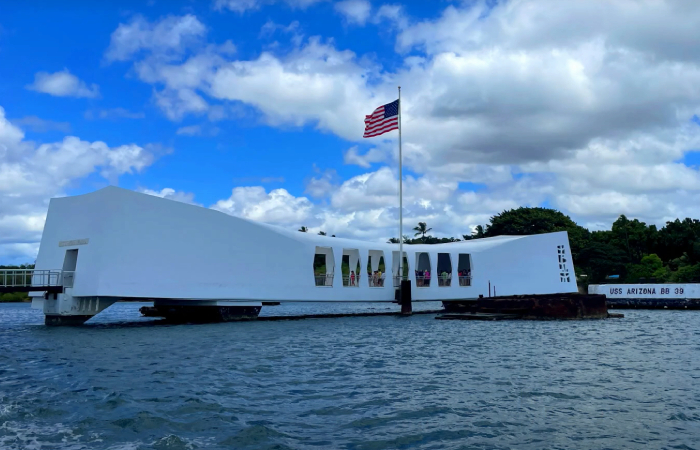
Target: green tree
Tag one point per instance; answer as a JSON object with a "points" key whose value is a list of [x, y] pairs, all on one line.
{"points": [[598, 261], [686, 274], [322, 233], [421, 229], [476, 234], [303, 229], [632, 236], [650, 266], [526, 220], [677, 238]]}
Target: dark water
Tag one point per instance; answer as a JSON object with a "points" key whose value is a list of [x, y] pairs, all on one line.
{"points": [[352, 383]]}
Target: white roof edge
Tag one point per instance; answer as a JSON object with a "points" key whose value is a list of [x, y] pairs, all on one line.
{"points": [[325, 241]]}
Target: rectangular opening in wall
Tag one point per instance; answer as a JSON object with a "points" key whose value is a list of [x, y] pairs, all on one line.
{"points": [[464, 269], [376, 270], [70, 262], [423, 270], [444, 270], [351, 267], [324, 266]]}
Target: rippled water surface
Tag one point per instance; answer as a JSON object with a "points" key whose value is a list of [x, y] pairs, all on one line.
{"points": [[124, 382]]}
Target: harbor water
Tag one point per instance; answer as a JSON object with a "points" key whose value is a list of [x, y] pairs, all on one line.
{"points": [[126, 382]]}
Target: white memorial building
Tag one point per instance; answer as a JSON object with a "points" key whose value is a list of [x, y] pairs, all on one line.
{"points": [[115, 244]]}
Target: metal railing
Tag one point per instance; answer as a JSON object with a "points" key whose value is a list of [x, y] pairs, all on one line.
{"points": [[375, 280], [324, 280], [465, 280], [26, 278], [422, 281], [349, 281], [445, 280]]}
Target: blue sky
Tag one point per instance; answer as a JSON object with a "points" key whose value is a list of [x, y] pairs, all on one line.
{"points": [[255, 108], [242, 150]]}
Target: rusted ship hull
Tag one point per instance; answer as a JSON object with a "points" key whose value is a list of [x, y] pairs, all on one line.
{"points": [[549, 306]]}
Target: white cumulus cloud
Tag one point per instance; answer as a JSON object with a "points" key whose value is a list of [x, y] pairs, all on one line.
{"points": [[63, 84], [354, 11], [31, 174], [171, 194], [277, 206], [170, 35], [241, 6]]}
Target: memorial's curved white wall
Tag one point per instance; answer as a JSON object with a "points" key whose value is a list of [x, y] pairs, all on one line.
{"points": [[133, 245]]}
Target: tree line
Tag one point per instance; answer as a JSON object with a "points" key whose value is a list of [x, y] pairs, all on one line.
{"points": [[631, 249]]}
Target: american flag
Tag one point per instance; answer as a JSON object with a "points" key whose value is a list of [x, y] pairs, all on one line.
{"points": [[382, 120]]}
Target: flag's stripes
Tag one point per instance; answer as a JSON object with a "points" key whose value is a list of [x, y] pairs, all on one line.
{"points": [[381, 124], [392, 125], [382, 120]]}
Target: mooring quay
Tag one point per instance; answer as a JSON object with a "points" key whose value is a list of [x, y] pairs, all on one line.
{"points": [[114, 244]]}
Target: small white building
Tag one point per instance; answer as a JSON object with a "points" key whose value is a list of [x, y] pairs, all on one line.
{"points": [[119, 244]]}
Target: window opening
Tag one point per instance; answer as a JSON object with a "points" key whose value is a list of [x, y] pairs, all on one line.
{"points": [[376, 270], [351, 267], [423, 270], [324, 266], [444, 269], [464, 269]]}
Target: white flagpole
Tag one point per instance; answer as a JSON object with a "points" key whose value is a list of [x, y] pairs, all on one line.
{"points": [[400, 199]]}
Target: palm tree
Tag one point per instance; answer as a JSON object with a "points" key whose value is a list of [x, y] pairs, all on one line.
{"points": [[303, 229], [322, 233], [476, 234], [422, 228], [393, 241]]}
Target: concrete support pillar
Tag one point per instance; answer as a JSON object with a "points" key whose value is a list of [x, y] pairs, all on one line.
{"points": [[64, 309]]}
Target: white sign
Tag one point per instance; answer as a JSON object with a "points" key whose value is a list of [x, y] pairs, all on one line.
{"points": [[73, 242], [687, 290]]}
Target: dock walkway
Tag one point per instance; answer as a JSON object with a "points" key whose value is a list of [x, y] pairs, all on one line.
{"points": [[32, 280]]}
